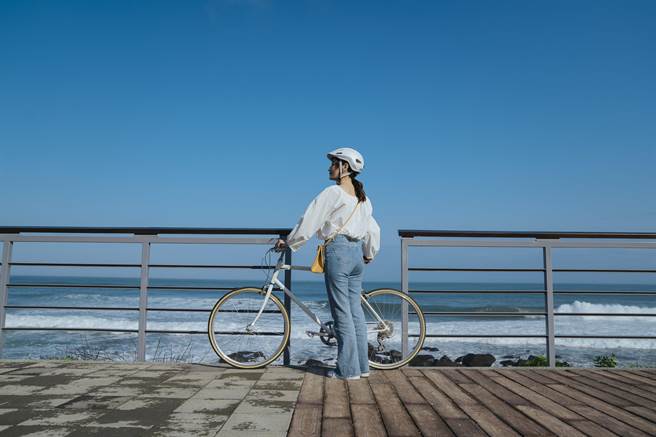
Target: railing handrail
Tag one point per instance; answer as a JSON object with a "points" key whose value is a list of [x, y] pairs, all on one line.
{"points": [[142, 230], [547, 235]]}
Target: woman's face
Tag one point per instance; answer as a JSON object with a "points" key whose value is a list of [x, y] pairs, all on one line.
{"points": [[333, 170]]}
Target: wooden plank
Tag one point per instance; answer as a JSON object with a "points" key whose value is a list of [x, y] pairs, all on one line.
{"points": [[360, 392], [428, 421], [609, 422], [590, 428], [634, 378], [647, 373], [544, 390], [645, 412], [490, 423], [404, 389], [378, 377], [441, 403], [450, 388], [615, 392], [332, 427], [542, 379], [336, 401], [566, 381], [411, 371], [514, 418], [312, 389], [397, 421], [465, 428], [537, 399], [550, 422], [367, 421], [459, 376], [618, 382], [499, 391], [605, 408], [306, 421]]}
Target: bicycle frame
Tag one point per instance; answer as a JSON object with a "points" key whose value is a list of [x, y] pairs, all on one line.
{"points": [[281, 266]]}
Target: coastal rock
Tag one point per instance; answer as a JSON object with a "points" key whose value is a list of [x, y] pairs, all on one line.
{"points": [[445, 362], [422, 361], [476, 360], [314, 363], [395, 355], [430, 349], [246, 356]]}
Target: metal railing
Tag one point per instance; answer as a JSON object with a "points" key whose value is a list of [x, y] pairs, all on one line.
{"points": [[544, 241], [143, 237]]}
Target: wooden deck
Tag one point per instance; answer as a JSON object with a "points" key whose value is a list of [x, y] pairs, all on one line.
{"points": [[479, 402]]}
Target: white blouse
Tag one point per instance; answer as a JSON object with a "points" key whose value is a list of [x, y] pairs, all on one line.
{"points": [[328, 211]]}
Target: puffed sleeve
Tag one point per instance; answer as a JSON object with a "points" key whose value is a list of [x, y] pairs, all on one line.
{"points": [[371, 244], [314, 217]]}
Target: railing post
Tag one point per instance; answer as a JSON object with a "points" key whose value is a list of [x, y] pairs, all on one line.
{"points": [[549, 297], [4, 280], [143, 300], [404, 288], [286, 359]]}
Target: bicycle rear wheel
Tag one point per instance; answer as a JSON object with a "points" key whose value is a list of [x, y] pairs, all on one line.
{"points": [[238, 343], [383, 310]]}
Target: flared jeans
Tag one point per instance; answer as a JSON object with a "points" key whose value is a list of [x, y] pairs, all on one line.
{"points": [[343, 271]]}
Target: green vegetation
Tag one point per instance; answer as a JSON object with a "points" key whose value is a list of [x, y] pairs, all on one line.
{"points": [[605, 361]]}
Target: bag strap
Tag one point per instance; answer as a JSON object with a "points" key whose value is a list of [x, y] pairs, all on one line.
{"points": [[345, 223]]}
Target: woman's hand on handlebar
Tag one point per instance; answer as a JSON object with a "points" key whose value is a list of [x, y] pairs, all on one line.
{"points": [[280, 245]]}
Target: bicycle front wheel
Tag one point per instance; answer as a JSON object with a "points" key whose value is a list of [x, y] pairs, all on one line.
{"points": [[384, 311], [241, 341]]}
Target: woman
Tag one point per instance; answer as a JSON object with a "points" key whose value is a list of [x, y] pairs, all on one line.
{"points": [[343, 211]]}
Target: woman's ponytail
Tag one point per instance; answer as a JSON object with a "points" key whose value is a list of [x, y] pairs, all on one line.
{"points": [[359, 188]]}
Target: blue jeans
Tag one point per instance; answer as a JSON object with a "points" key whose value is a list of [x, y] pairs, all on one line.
{"points": [[343, 269]]}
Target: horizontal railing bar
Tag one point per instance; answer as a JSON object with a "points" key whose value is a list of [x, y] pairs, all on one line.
{"points": [[608, 314], [142, 230], [610, 293], [410, 233], [207, 266], [126, 287], [44, 307], [435, 269], [69, 329], [210, 310], [529, 244], [507, 313], [137, 239], [480, 291], [479, 336], [194, 266], [480, 313], [607, 270], [609, 337], [44, 264]]}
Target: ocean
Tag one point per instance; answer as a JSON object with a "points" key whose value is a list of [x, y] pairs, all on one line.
{"points": [[195, 348]]}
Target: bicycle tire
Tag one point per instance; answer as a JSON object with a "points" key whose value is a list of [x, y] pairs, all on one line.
{"points": [[256, 293], [420, 321]]}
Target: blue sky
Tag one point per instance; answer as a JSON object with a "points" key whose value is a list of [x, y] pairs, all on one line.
{"points": [[482, 115]]}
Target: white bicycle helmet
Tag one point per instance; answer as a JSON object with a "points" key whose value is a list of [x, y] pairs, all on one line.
{"points": [[352, 156]]}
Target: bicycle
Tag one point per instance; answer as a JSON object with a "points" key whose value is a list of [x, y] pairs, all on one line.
{"points": [[249, 327]]}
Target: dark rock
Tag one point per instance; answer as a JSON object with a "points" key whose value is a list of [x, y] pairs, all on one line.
{"points": [[506, 363], [395, 355], [430, 349], [445, 362], [314, 363], [476, 360], [422, 361], [509, 356], [246, 356]]}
